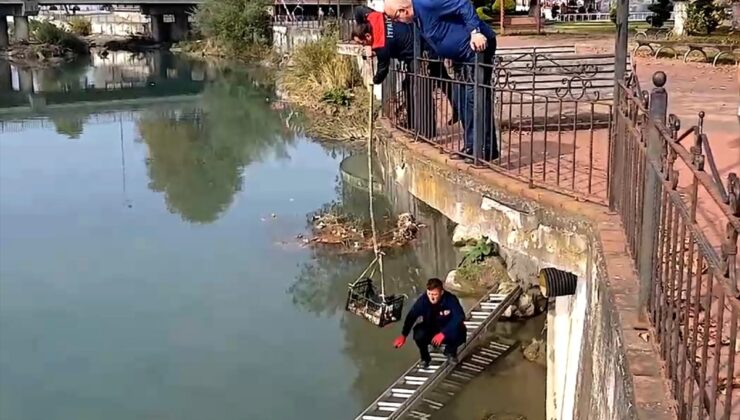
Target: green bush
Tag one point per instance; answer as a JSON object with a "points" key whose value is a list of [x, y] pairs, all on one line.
{"points": [[48, 33], [703, 17], [492, 13], [319, 64], [337, 96], [237, 24], [80, 26]]}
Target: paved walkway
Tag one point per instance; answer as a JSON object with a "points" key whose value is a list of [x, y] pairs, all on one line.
{"points": [[692, 88]]}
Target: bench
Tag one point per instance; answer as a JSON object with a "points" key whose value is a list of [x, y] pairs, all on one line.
{"points": [[656, 46], [547, 49], [654, 33], [567, 76]]}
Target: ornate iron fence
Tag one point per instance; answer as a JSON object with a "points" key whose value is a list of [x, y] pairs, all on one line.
{"points": [[542, 121], [625, 152], [689, 274]]}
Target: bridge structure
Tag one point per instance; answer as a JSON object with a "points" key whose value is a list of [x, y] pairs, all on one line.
{"points": [[168, 18]]}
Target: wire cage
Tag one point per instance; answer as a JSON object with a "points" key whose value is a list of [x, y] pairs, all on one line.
{"points": [[364, 300]]}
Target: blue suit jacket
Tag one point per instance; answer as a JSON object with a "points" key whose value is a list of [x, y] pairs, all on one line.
{"points": [[446, 25]]}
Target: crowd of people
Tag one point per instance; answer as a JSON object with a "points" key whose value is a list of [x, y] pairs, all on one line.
{"points": [[450, 30]]}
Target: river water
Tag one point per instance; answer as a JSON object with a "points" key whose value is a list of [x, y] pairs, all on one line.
{"points": [[150, 266]]}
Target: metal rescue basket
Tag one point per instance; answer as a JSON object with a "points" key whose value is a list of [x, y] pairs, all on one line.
{"points": [[364, 300]]}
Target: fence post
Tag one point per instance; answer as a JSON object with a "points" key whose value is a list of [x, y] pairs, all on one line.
{"points": [[620, 44], [652, 192], [416, 118], [478, 115]]}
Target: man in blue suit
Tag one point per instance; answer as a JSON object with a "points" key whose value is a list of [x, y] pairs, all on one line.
{"points": [[454, 31], [442, 322]]}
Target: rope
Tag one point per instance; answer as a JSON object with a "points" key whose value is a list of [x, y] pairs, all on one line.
{"points": [[378, 254]]}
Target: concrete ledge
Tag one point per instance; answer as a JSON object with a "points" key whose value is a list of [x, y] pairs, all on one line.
{"points": [[621, 373]]}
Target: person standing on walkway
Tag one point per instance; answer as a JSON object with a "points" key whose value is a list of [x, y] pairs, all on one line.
{"points": [[395, 40], [454, 31], [442, 322]]}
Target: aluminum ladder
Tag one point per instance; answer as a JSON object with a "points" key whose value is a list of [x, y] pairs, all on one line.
{"points": [[435, 398], [409, 388]]}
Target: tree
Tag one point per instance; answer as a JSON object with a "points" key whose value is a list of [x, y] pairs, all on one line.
{"points": [[661, 12], [703, 17], [235, 23]]}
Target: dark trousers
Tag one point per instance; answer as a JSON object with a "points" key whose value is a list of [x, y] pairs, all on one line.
{"points": [[423, 335], [464, 101], [418, 91]]}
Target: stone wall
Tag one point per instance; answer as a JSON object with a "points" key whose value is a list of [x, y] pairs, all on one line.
{"points": [[286, 37], [601, 366]]}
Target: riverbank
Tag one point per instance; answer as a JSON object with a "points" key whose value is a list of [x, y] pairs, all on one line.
{"points": [[329, 88]]}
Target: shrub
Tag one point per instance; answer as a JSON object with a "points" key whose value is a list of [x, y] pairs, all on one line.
{"points": [[319, 64], [661, 12], [703, 17], [492, 13], [237, 24], [80, 26], [509, 6], [48, 33]]}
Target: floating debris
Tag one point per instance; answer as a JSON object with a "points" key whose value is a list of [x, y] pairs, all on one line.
{"points": [[334, 228]]}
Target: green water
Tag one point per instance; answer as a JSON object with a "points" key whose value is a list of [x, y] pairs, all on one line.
{"points": [[149, 266]]}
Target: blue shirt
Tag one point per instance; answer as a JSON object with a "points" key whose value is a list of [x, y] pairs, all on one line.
{"points": [[446, 25]]}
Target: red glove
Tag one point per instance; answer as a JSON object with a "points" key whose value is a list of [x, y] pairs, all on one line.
{"points": [[437, 339], [399, 342]]}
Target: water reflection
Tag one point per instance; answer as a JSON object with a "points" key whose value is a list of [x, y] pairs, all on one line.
{"points": [[100, 79], [221, 120], [321, 286], [196, 156]]}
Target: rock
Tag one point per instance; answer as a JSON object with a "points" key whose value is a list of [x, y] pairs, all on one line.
{"points": [[466, 234], [525, 306], [536, 352], [521, 269], [453, 283]]}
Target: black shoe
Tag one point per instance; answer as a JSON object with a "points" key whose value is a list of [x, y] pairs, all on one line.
{"points": [[452, 359], [425, 364]]}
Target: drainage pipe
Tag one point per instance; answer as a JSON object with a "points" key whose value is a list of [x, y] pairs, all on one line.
{"points": [[554, 282]]}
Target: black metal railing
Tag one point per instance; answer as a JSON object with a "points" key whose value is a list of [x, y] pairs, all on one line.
{"points": [[682, 225], [546, 124]]}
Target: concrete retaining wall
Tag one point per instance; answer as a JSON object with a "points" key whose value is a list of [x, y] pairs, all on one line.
{"points": [[596, 357], [286, 37]]}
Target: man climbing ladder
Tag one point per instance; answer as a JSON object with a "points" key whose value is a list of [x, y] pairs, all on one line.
{"points": [[442, 323]]}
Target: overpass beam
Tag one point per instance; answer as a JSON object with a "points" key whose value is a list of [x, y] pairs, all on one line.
{"points": [[4, 40], [25, 79], [22, 33], [158, 28], [179, 28], [6, 77]]}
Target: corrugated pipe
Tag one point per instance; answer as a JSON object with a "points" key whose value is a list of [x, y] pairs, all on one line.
{"points": [[554, 282]]}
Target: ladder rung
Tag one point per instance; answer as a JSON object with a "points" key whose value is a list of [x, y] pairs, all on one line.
{"points": [[403, 390], [433, 403], [498, 346], [481, 359]]}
